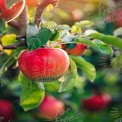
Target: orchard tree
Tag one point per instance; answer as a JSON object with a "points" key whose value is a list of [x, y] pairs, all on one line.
{"points": [[45, 51]]}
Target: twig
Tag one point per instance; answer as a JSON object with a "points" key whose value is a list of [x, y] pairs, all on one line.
{"points": [[14, 46], [14, 24], [23, 19], [40, 9]]}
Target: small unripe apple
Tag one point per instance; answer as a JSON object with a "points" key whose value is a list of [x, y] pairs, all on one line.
{"points": [[96, 102], [44, 64], [7, 112], [50, 108], [78, 50], [11, 13]]}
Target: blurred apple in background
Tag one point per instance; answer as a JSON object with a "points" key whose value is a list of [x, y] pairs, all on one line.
{"points": [[97, 102], [7, 112], [50, 108]]}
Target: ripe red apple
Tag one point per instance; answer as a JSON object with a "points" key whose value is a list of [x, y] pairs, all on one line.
{"points": [[78, 50], [45, 64], [7, 111], [11, 13], [50, 108], [96, 102]]}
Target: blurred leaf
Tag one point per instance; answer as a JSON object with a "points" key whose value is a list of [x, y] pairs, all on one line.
{"points": [[104, 48], [55, 36], [32, 31], [85, 23], [69, 78], [76, 29], [8, 39], [85, 66], [117, 42], [49, 24], [32, 93], [118, 32], [2, 26], [7, 63], [52, 86]]}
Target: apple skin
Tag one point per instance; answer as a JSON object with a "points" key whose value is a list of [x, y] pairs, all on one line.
{"points": [[44, 64], [50, 108], [96, 102], [7, 111], [11, 13], [78, 50]]}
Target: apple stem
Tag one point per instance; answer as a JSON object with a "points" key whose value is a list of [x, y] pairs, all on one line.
{"points": [[40, 9]]}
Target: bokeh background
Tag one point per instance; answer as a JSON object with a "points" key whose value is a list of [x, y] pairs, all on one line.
{"points": [[107, 18]]}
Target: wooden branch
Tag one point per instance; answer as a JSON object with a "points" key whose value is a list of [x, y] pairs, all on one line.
{"points": [[40, 9], [14, 24], [14, 46]]}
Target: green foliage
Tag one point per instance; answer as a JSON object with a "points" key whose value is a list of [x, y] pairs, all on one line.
{"points": [[2, 26], [86, 67], [32, 93], [37, 37], [70, 78]]}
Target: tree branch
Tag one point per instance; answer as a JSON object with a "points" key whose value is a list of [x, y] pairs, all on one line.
{"points": [[23, 19], [14, 24], [14, 46], [40, 9]]}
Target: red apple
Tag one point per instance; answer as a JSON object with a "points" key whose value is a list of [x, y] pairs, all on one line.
{"points": [[11, 13], [50, 108], [7, 111], [78, 50], [45, 64], [96, 102]]}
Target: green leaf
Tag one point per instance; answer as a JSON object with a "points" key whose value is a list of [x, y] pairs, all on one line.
{"points": [[70, 46], [44, 35], [55, 35], [34, 43], [9, 3], [117, 42], [70, 78], [85, 66], [8, 39], [7, 63], [32, 31], [32, 93], [104, 48], [2, 26], [84, 23], [49, 24]]}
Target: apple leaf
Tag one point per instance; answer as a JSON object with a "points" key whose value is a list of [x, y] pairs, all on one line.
{"points": [[85, 66], [32, 93], [34, 43], [44, 35], [104, 48], [115, 41], [2, 26], [9, 3], [55, 35], [70, 77], [32, 31]]}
